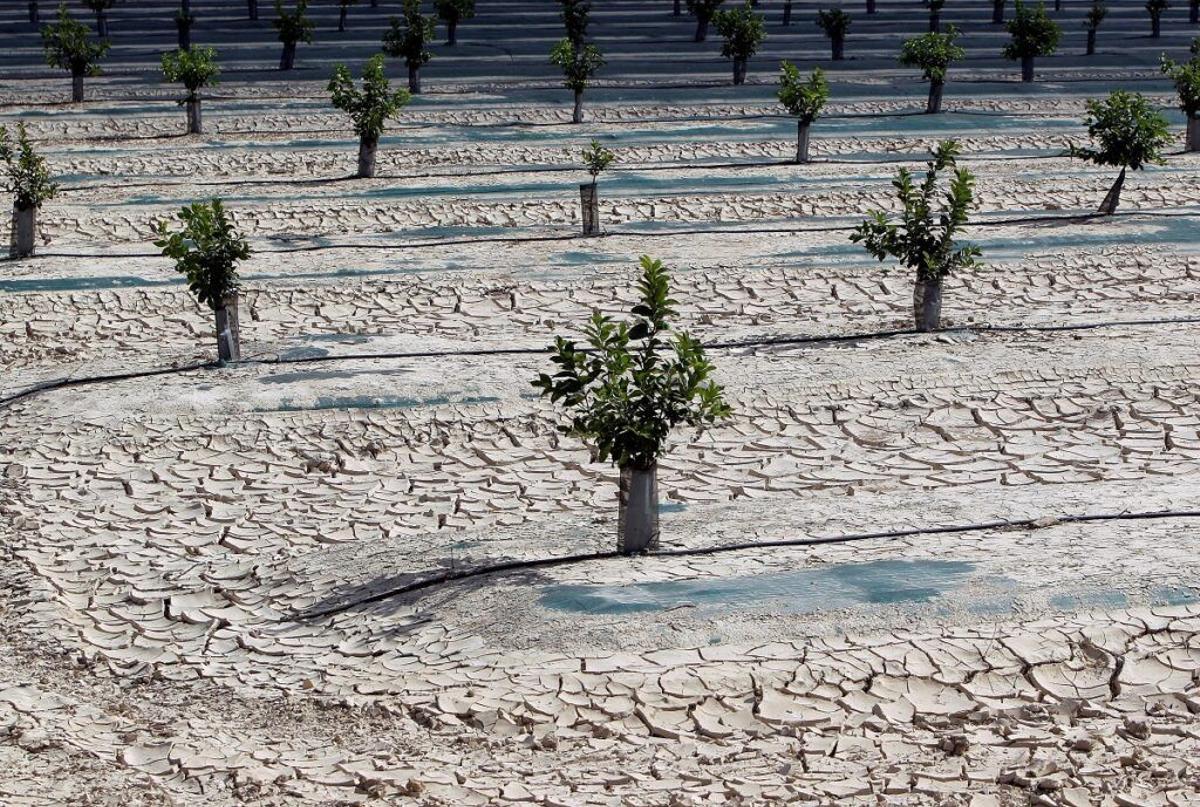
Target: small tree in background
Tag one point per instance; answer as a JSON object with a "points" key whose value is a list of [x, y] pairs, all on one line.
{"points": [[703, 10], [452, 13], [193, 69], [293, 27], [369, 108], [834, 23], [997, 12], [923, 238], [935, 14], [68, 46], [628, 390], [578, 66], [184, 20], [409, 38], [1186, 77], [933, 54], [343, 10], [1128, 132], [27, 178], [207, 250], [804, 99], [101, 8], [1155, 8], [596, 158], [743, 32], [1091, 24], [575, 16], [1033, 34]]}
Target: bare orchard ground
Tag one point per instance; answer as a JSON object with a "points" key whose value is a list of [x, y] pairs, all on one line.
{"points": [[228, 586]]}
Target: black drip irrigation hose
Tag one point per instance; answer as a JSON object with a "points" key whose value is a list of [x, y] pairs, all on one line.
{"points": [[766, 342], [1041, 522]]}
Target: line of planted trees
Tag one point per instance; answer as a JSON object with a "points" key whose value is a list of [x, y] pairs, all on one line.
{"points": [[634, 382], [1033, 34]]}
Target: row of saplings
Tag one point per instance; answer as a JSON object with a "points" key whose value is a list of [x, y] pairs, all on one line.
{"points": [[1126, 130], [68, 44], [631, 382]]}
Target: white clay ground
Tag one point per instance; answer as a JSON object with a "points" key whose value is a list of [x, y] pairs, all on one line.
{"points": [[199, 568]]}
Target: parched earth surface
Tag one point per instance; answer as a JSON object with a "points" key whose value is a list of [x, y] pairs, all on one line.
{"points": [[363, 566]]}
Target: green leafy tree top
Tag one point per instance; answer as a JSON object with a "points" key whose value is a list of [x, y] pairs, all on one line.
{"points": [[26, 176], [69, 47], [933, 53], [293, 26], [578, 64], [1127, 130], [597, 158], [408, 37], [1095, 15], [923, 237], [207, 250], [1033, 32], [193, 69], [635, 384], [804, 99], [1187, 80], [834, 23], [372, 106], [704, 9], [455, 10], [742, 29], [575, 14]]}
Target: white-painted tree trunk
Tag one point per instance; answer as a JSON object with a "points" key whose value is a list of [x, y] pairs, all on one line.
{"points": [[637, 520], [589, 201], [229, 346]]}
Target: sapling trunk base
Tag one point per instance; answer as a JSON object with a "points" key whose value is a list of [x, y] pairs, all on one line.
{"points": [[839, 46], [1193, 133], [577, 112], [1026, 68], [452, 32], [1091, 42], [34, 17], [739, 71], [252, 9], [589, 203], [414, 79], [229, 346], [1113, 198], [787, 13], [997, 11], [701, 29], [934, 104], [637, 519], [195, 123], [287, 59], [927, 305], [24, 229], [77, 87], [366, 156], [802, 142]]}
